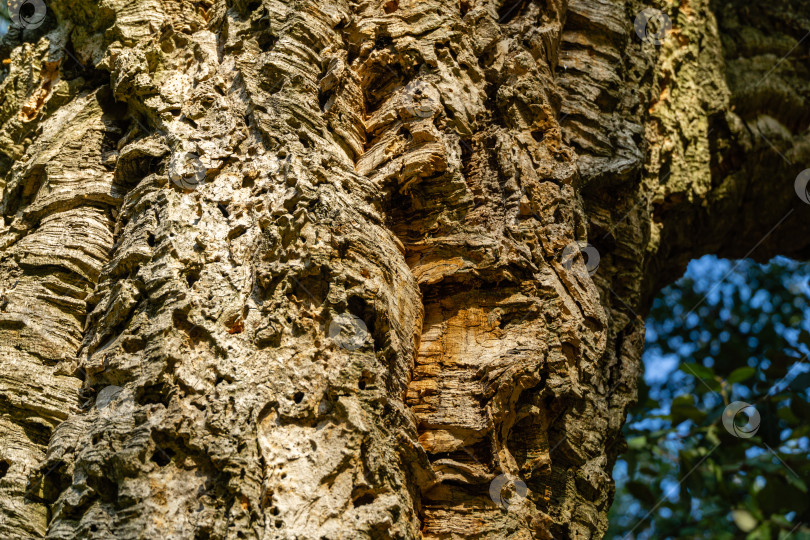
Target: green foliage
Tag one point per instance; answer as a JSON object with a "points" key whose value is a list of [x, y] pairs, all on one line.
{"points": [[737, 331], [5, 19]]}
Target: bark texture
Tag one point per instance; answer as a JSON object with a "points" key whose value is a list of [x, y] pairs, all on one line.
{"points": [[311, 270]]}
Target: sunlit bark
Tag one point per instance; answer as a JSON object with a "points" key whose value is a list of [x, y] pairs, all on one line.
{"points": [[363, 269]]}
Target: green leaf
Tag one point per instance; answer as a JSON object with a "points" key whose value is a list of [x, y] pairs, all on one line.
{"points": [[744, 520], [796, 482], [650, 470], [683, 409], [698, 370], [761, 533], [785, 414], [636, 443], [741, 374], [711, 435]]}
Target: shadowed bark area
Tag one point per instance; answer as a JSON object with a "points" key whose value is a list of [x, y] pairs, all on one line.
{"points": [[364, 269]]}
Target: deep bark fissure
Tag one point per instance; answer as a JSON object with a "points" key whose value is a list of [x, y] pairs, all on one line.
{"points": [[425, 169]]}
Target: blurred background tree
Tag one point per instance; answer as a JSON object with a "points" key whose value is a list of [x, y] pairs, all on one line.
{"points": [[4, 17], [727, 331]]}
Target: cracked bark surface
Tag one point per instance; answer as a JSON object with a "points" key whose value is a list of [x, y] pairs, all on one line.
{"points": [[201, 199]]}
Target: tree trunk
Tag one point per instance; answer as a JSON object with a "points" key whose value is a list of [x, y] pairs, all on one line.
{"points": [[312, 269]]}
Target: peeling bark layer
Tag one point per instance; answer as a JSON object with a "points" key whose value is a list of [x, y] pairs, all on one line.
{"points": [[312, 270]]}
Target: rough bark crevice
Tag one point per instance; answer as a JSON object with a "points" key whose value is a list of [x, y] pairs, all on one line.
{"points": [[307, 270]]}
